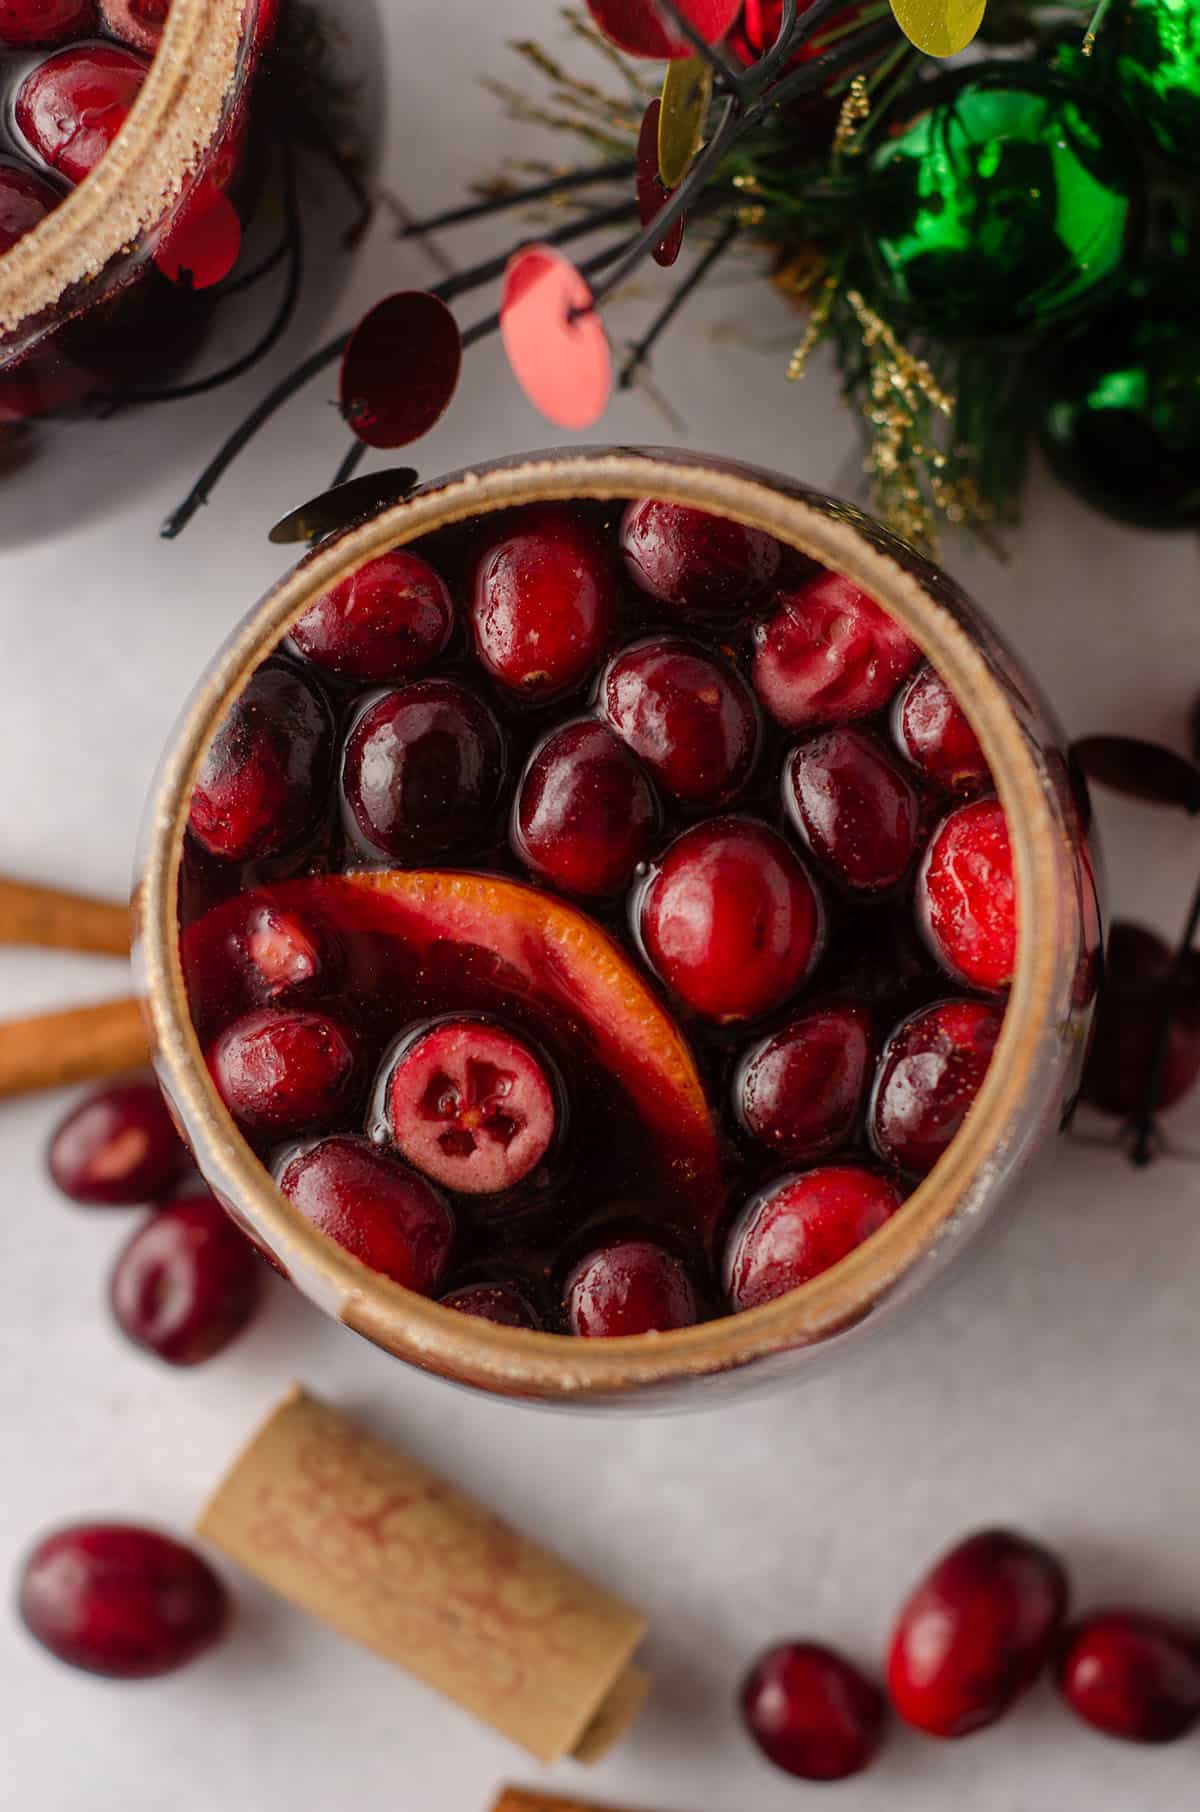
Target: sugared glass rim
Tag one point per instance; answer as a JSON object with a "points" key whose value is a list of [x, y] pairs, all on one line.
{"points": [[548, 1366]]}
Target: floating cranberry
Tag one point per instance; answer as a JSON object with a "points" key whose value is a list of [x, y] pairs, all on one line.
{"points": [[499, 1303], [631, 1286], [829, 653], [71, 107], [694, 563], [423, 769], [931, 730], [187, 1283], [967, 897], [263, 779], [812, 1712], [1129, 1020], [1132, 1675], [388, 620], [375, 1207], [730, 920], [976, 1632], [854, 808], [543, 602], [120, 1600], [283, 1071], [136, 22], [34, 22], [801, 1091], [932, 1068], [469, 1103], [797, 1228], [690, 718], [117, 1147], [24, 200], [585, 814], [283, 953]]}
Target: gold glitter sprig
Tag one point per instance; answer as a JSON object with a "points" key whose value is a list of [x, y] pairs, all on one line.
{"points": [[818, 320], [856, 109]]}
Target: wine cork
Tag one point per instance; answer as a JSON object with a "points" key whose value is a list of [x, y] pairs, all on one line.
{"points": [[372, 1543]]}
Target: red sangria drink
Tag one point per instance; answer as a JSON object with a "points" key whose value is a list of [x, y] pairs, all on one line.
{"points": [[598, 914]]}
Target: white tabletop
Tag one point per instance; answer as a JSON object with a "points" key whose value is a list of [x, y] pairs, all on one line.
{"points": [[1053, 1386]]}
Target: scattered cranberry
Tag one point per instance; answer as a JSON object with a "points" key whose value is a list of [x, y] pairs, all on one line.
{"points": [[71, 107], [629, 1287], [1132, 1676], [187, 1283], [690, 718], [1129, 1016], [423, 769], [543, 604], [967, 896], [282, 1071], [800, 1226], [385, 622], [24, 200], [469, 1103], [976, 1632], [829, 653], [500, 1303], [283, 953], [136, 22], [585, 814], [35, 22], [932, 1068], [694, 563], [854, 808], [931, 729], [730, 920], [116, 1599], [117, 1147], [801, 1091], [812, 1712], [263, 778], [375, 1207]]}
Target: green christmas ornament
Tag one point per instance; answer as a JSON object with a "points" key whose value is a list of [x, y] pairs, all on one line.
{"points": [[1157, 71], [1119, 414], [1010, 200]]}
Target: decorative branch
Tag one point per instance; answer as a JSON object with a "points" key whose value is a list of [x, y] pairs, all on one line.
{"points": [[641, 349]]}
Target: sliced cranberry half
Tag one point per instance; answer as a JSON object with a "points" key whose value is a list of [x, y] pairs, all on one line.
{"points": [[694, 563], [932, 1068], [385, 622], [502, 1304], [630, 1286], [120, 1600], [801, 1091], [690, 718], [544, 602], [283, 1071], [187, 1283], [976, 1633], [470, 1104], [854, 808], [71, 107], [34, 22], [967, 896], [423, 770], [375, 1207], [264, 777], [800, 1226], [585, 814], [828, 654], [117, 1147], [932, 732], [730, 920], [1132, 1676], [812, 1712], [24, 201]]}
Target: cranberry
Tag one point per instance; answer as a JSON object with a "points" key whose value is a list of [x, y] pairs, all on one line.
{"points": [[71, 107], [120, 1600], [812, 1712], [932, 1068], [423, 769], [730, 920], [976, 1632], [117, 1147], [283, 952], [31, 22], [967, 897], [24, 200], [543, 603], [630, 1286], [852, 805], [795, 1229], [500, 1303], [136, 22], [375, 1207], [187, 1283], [468, 1103], [585, 814], [694, 563], [1132, 1676], [931, 729], [263, 778], [829, 653], [285, 1070], [690, 718], [386, 621], [800, 1092], [1128, 1020]]}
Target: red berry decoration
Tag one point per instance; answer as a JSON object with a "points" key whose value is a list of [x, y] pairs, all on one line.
{"points": [[801, 1092], [33, 22], [1129, 1017], [262, 780], [202, 242], [375, 1207], [283, 1071], [554, 337], [386, 622], [499, 1303], [187, 1283], [585, 813], [800, 1226], [631, 1286], [932, 732], [543, 604], [400, 369], [652, 193], [694, 563], [24, 201], [120, 1600], [932, 1068], [976, 1633], [967, 897], [828, 654], [854, 808], [812, 1712], [117, 1147], [690, 718], [1132, 1676], [641, 29], [71, 107], [423, 766]]}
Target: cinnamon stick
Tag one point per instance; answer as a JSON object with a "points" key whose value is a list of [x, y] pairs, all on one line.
{"points": [[57, 920], [50, 1050], [517, 1799]]}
